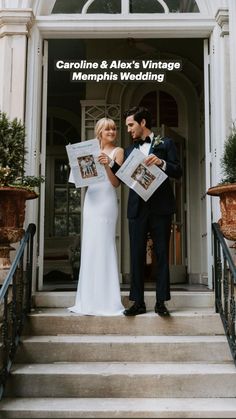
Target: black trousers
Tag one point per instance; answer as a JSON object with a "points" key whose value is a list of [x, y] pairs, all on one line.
{"points": [[159, 227]]}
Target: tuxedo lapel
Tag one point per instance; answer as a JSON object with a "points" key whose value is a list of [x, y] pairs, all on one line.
{"points": [[129, 149], [151, 150], [156, 145]]}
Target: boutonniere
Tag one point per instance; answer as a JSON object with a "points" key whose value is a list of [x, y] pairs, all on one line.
{"points": [[157, 140]]}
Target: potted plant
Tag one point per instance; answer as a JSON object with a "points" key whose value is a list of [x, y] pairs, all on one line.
{"points": [[226, 190], [15, 187]]}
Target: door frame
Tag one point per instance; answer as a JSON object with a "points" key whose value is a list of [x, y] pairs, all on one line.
{"points": [[208, 163], [37, 89], [43, 165]]}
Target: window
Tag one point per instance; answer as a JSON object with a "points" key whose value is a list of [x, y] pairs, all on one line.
{"points": [[87, 6], [145, 6], [135, 6], [182, 6], [66, 202], [163, 107]]}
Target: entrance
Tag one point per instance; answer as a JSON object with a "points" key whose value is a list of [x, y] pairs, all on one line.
{"points": [[177, 249], [72, 110]]}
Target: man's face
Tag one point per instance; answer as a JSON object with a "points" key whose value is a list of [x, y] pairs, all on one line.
{"points": [[134, 128]]}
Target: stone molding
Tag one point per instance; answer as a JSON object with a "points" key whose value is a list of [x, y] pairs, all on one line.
{"points": [[222, 18], [16, 4], [15, 21]]}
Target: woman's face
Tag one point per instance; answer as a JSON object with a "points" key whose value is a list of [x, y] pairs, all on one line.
{"points": [[108, 134]]}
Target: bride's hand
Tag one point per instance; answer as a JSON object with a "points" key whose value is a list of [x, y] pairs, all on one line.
{"points": [[104, 159]]}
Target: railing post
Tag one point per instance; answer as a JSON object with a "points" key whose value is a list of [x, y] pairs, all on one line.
{"points": [[15, 303], [225, 281]]}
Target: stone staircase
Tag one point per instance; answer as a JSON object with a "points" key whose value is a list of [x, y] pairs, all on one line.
{"points": [[71, 366]]}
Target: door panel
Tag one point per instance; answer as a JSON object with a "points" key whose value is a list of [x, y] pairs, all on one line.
{"points": [[62, 208], [178, 256]]}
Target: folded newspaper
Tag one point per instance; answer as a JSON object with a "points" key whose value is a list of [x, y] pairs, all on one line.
{"points": [[85, 167], [143, 179]]}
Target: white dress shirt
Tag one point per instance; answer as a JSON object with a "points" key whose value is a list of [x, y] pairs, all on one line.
{"points": [[145, 148]]}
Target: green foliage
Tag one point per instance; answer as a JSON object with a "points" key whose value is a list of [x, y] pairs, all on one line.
{"points": [[12, 154], [228, 160]]}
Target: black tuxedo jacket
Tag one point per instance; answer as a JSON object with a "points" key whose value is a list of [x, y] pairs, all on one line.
{"points": [[163, 200]]}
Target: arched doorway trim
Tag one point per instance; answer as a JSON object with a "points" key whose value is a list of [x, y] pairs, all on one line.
{"points": [[45, 8]]}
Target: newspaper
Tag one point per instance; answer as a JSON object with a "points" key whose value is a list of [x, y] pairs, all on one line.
{"points": [[143, 179], [85, 167]]}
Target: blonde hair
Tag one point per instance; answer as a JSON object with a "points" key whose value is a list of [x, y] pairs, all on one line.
{"points": [[102, 124]]}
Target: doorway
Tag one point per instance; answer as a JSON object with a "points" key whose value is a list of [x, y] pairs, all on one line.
{"points": [[72, 109]]}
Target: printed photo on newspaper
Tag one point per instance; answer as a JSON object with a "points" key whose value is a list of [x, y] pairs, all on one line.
{"points": [[144, 180], [85, 168]]}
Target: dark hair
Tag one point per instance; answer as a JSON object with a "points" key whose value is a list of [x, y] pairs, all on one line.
{"points": [[140, 113]]}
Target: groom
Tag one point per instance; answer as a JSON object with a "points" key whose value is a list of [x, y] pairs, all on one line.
{"points": [[153, 216]]}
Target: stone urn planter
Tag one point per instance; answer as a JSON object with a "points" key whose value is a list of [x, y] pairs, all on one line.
{"points": [[15, 187], [12, 216], [227, 196], [226, 189]]}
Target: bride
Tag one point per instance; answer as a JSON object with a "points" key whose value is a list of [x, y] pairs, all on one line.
{"points": [[98, 291]]}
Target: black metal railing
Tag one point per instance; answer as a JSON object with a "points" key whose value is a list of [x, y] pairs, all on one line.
{"points": [[225, 282], [15, 303]]}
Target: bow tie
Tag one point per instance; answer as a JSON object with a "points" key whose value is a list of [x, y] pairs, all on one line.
{"points": [[146, 140]]}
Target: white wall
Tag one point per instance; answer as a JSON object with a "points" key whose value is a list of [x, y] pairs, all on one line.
{"points": [[232, 53], [14, 26]]}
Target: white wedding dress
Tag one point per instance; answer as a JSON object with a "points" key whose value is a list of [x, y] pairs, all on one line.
{"points": [[98, 291]]}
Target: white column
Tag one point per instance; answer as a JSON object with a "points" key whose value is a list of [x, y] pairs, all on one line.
{"points": [[14, 29], [16, 4], [220, 92], [232, 47], [222, 19]]}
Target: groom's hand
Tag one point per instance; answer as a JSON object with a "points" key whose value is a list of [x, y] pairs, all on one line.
{"points": [[152, 159]]}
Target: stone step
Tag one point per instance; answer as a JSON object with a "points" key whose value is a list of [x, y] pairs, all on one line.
{"points": [[115, 379], [179, 299], [184, 321], [30, 408], [111, 348]]}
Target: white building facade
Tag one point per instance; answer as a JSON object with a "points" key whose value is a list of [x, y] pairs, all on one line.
{"points": [[196, 105]]}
